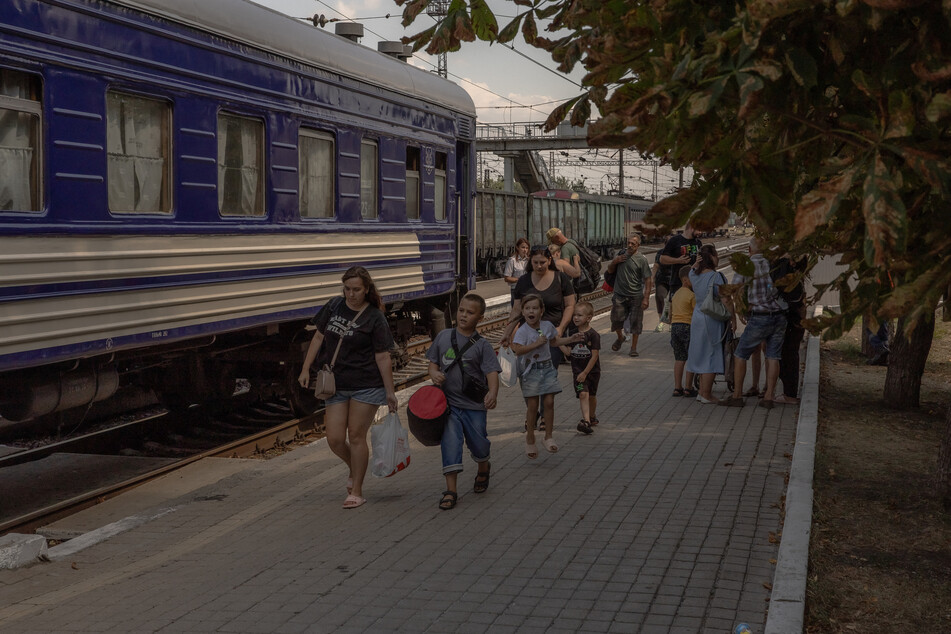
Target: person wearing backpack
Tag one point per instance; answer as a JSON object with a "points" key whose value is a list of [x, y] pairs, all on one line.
{"points": [[569, 251], [632, 291]]}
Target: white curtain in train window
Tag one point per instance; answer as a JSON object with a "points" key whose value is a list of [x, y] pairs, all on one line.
{"points": [[316, 176], [18, 141], [137, 149], [17, 148], [440, 186], [368, 179], [240, 177]]}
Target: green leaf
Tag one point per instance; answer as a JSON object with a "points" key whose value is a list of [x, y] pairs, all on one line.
{"points": [[885, 214], [530, 29], [412, 10], [930, 168], [901, 115], [803, 67], [819, 205], [939, 107], [581, 112], [483, 20], [742, 264], [750, 85], [701, 102], [511, 30]]}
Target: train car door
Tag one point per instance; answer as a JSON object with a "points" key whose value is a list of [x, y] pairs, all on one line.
{"points": [[465, 219]]}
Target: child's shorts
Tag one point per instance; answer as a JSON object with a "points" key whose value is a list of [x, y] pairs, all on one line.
{"points": [[680, 340], [541, 379], [589, 385]]}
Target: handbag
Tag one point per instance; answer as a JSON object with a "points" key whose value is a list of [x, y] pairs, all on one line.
{"points": [[713, 307], [665, 316], [325, 384]]}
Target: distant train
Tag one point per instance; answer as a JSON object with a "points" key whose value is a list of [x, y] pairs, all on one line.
{"points": [[183, 183], [599, 222]]}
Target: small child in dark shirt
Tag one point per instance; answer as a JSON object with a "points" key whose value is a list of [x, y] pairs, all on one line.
{"points": [[585, 364]]}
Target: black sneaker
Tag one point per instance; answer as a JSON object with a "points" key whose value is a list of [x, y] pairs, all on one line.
{"points": [[585, 427]]}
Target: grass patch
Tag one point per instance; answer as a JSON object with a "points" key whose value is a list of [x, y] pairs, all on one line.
{"points": [[880, 552]]}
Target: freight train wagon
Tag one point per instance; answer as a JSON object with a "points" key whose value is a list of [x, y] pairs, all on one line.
{"points": [[599, 222], [183, 183]]}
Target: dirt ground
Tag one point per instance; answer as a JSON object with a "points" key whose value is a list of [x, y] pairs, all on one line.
{"points": [[880, 552]]}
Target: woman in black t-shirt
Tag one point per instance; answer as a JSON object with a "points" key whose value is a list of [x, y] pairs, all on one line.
{"points": [[362, 372], [555, 289]]}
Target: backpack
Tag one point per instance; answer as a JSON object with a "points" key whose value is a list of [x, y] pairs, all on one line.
{"points": [[590, 261]]}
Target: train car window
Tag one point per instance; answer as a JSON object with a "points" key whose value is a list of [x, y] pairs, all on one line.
{"points": [[20, 113], [240, 166], [412, 183], [369, 179], [316, 175], [440, 186], [137, 146]]}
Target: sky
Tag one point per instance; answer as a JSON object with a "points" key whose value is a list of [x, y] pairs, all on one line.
{"points": [[507, 86]]}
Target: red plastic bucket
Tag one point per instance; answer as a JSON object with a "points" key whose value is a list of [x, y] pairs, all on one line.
{"points": [[427, 413]]}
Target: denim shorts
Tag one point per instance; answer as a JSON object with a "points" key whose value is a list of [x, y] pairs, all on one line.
{"points": [[760, 328], [466, 426], [370, 396], [540, 379]]}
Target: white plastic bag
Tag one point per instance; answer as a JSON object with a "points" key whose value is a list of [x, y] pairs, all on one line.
{"points": [[509, 362], [390, 447]]}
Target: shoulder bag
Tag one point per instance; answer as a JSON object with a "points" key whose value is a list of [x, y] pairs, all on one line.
{"points": [[473, 388], [325, 385], [713, 307]]}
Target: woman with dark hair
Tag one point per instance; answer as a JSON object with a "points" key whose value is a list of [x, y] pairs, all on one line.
{"points": [[558, 297], [705, 354], [362, 371], [516, 265], [555, 289]]}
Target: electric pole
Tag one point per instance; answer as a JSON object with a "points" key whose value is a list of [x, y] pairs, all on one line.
{"points": [[438, 9]]}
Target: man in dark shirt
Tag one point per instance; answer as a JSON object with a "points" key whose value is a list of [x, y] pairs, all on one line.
{"points": [[680, 249]]}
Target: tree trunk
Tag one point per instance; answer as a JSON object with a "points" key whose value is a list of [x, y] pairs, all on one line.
{"points": [[906, 364], [943, 475]]}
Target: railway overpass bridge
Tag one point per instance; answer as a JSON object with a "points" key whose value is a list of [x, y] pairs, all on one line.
{"points": [[519, 144]]}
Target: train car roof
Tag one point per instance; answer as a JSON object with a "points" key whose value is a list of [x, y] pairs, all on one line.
{"points": [[275, 32]]}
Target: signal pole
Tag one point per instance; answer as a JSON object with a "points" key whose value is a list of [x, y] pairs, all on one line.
{"points": [[438, 9]]}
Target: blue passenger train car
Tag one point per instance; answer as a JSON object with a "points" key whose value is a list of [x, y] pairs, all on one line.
{"points": [[182, 184]]}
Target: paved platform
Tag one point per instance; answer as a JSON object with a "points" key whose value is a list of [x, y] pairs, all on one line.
{"points": [[663, 520]]}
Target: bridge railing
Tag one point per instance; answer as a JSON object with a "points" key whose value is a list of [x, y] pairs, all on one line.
{"points": [[528, 130]]}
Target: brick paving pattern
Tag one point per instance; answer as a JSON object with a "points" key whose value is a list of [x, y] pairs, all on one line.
{"points": [[663, 520]]}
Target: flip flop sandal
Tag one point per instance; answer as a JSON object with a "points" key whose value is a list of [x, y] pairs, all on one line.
{"points": [[353, 501], [678, 391], [448, 500], [765, 404], [481, 484], [550, 445], [634, 353], [531, 450], [690, 393], [594, 421], [617, 344]]}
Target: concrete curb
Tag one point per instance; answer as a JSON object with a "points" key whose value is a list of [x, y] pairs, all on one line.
{"points": [[17, 549], [787, 604]]}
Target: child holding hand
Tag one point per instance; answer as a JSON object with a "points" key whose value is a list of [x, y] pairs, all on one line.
{"points": [[539, 378], [585, 364]]}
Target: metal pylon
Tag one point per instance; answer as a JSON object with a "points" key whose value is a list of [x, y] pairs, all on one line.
{"points": [[439, 9]]}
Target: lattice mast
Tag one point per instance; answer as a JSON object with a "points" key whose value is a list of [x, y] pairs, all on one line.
{"points": [[438, 9]]}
